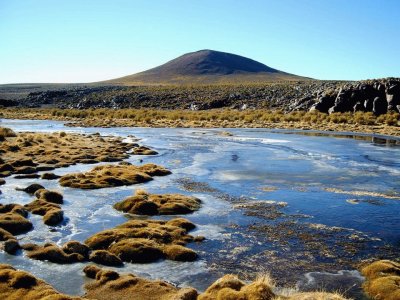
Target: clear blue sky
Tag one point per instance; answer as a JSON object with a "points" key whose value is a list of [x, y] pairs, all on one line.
{"points": [[83, 41]]}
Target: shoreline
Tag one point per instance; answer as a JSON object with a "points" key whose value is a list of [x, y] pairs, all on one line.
{"points": [[180, 122]]}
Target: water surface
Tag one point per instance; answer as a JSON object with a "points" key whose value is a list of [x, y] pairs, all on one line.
{"points": [[313, 239]]}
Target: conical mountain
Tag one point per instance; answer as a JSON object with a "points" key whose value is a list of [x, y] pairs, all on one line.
{"points": [[208, 67]]}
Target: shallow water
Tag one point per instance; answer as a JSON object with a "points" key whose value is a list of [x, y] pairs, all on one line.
{"points": [[307, 172]]}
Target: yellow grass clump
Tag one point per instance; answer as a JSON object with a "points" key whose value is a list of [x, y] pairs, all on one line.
{"points": [[113, 175], [143, 203], [382, 280]]}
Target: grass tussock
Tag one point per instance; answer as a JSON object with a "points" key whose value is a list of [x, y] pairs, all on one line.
{"points": [[382, 280], [16, 285], [144, 203], [113, 175], [6, 132]]}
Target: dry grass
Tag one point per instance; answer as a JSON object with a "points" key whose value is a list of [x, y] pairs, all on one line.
{"points": [[382, 280], [113, 175], [216, 118], [29, 153], [146, 241], [108, 285], [17, 285], [13, 219], [143, 203]]}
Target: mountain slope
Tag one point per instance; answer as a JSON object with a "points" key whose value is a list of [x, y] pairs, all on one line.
{"points": [[207, 67]]}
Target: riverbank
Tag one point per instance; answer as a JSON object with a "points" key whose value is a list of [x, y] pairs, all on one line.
{"points": [[359, 122]]}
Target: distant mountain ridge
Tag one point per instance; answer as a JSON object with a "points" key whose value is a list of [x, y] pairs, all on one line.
{"points": [[207, 67]]}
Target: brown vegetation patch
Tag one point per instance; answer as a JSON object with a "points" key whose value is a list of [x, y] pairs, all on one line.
{"points": [[17, 285], [71, 252], [108, 284], [52, 253], [49, 196], [50, 176], [231, 287], [364, 122], [105, 257], [113, 175], [31, 189], [111, 285], [382, 280], [29, 153], [146, 241], [47, 205], [6, 132], [143, 203], [13, 219], [143, 150], [266, 209]]}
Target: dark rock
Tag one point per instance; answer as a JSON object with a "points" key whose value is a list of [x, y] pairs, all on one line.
{"points": [[369, 104], [393, 97], [8, 103], [323, 104], [344, 101], [358, 107], [379, 106]]}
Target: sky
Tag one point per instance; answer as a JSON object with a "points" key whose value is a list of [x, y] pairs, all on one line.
{"points": [[87, 41]]}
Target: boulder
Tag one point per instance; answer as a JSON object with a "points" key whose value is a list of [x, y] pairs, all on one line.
{"points": [[323, 104], [379, 106], [393, 97], [358, 107], [368, 104]]}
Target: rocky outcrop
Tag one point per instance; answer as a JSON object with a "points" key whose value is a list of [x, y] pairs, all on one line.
{"points": [[336, 96], [377, 96]]}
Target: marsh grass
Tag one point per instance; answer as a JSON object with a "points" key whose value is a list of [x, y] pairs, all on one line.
{"points": [[216, 115]]}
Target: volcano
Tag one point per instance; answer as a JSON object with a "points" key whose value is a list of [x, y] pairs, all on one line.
{"points": [[207, 67]]}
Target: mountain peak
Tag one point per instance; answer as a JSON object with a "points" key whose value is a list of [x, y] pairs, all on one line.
{"points": [[207, 66], [211, 62]]}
